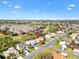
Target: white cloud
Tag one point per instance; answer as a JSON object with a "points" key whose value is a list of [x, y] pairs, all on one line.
{"points": [[36, 11], [71, 5], [17, 6], [5, 2], [69, 8]]}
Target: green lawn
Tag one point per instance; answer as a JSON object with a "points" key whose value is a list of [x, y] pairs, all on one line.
{"points": [[69, 50], [31, 50], [56, 45], [57, 36], [45, 54], [71, 57], [19, 38]]}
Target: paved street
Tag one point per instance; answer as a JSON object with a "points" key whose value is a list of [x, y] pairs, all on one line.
{"points": [[48, 45], [65, 52], [41, 48]]}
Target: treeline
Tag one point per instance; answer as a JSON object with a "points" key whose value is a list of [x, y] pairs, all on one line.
{"points": [[6, 42]]}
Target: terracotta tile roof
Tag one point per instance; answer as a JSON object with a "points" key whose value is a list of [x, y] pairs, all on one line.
{"points": [[58, 56]]}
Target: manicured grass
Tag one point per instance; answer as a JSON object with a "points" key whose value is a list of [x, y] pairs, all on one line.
{"points": [[22, 38], [23, 55], [31, 50], [71, 57], [19, 38], [6, 42], [69, 50], [45, 54], [56, 45]]}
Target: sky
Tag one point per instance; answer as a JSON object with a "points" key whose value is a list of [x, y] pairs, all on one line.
{"points": [[39, 9]]}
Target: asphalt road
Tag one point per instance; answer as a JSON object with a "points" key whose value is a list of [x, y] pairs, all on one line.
{"points": [[69, 53], [31, 55], [41, 48]]}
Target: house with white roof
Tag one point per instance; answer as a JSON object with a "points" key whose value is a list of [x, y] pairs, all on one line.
{"points": [[25, 52], [73, 36], [37, 40], [47, 36], [30, 42], [60, 32], [10, 51], [63, 44], [76, 50], [19, 57], [53, 34], [36, 47]]}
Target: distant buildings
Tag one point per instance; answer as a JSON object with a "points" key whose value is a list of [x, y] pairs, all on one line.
{"points": [[20, 28], [23, 48]]}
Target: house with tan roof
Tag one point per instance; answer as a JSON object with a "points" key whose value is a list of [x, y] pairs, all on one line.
{"points": [[58, 56], [10, 50]]}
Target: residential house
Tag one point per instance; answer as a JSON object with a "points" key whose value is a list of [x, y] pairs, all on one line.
{"points": [[76, 41], [47, 36], [60, 32], [30, 42], [76, 51], [65, 54], [25, 52], [63, 44], [58, 56], [21, 47], [19, 57], [73, 36], [10, 50], [75, 47], [37, 40], [52, 35], [36, 47]]}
